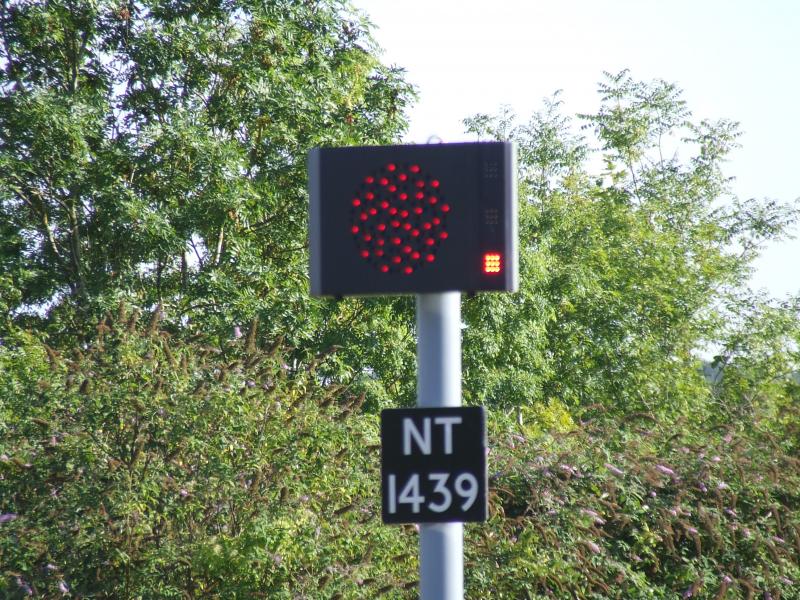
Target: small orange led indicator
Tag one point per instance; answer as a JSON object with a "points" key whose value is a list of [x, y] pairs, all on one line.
{"points": [[492, 263]]}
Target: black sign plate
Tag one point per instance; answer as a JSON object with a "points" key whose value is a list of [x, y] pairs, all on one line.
{"points": [[433, 465]]}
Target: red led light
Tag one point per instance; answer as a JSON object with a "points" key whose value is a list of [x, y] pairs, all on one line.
{"points": [[382, 213], [492, 263]]}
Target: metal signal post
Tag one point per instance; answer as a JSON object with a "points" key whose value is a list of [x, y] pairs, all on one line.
{"points": [[432, 220], [441, 547]]}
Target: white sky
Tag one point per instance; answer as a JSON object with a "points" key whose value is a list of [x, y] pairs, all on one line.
{"points": [[734, 59]]}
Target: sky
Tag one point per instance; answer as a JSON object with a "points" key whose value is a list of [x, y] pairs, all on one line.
{"points": [[733, 59]]}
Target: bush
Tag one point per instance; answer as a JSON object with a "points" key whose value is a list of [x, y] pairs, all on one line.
{"points": [[145, 467], [642, 510]]}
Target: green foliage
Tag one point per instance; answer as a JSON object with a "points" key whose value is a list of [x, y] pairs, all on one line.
{"points": [[140, 466], [642, 509], [625, 270], [155, 150], [757, 371]]}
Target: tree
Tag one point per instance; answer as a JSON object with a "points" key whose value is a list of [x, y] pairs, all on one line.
{"points": [[626, 272], [156, 150]]}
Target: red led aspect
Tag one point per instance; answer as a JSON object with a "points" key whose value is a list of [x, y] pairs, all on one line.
{"points": [[492, 263], [396, 221]]}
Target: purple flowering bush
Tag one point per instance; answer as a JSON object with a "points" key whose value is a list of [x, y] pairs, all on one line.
{"points": [[641, 508], [141, 466]]}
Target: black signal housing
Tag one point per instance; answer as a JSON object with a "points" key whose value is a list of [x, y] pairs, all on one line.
{"points": [[413, 219]]}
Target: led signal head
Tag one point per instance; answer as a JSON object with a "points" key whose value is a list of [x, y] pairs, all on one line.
{"points": [[412, 219]]}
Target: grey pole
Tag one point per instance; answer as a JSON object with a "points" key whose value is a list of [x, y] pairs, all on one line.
{"points": [[441, 545]]}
